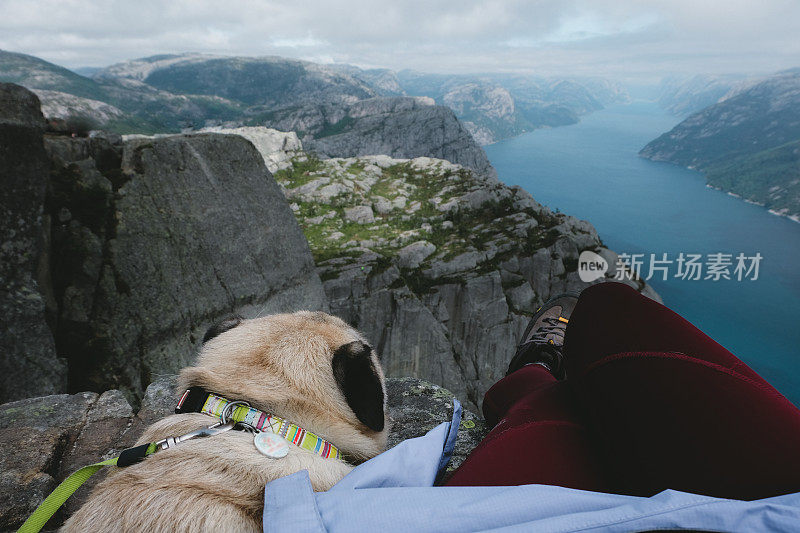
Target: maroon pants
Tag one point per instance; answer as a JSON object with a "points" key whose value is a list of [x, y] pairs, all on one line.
{"points": [[650, 403]]}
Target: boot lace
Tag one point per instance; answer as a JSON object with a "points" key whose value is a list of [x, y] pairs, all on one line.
{"points": [[552, 326]]}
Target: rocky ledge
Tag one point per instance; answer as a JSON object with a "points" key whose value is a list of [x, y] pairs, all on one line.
{"points": [[47, 438], [439, 266]]}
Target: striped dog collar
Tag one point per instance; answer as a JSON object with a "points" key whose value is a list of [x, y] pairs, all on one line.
{"points": [[198, 400]]}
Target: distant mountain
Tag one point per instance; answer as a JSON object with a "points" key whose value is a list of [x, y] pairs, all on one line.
{"points": [[747, 143], [32, 72], [174, 92], [605, 91], [382, 80], [497, 106], [117, 104], [87, 71], [272, 82], [681, 95], [338, 111], [488, 111]]}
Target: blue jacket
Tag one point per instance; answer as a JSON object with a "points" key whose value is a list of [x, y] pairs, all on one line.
{"points": [[394, 492]]}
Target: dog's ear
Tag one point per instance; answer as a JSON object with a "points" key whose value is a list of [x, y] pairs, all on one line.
{"points": [[221, 327], [356, 375]]}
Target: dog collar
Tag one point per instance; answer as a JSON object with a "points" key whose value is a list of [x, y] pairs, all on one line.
{"points": [[199, 400]]}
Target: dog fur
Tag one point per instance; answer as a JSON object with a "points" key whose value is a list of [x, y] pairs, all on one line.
{"points": [[307, 367]]}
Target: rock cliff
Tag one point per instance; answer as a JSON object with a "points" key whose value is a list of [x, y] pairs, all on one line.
{"points": [[137, 247], [28, 362], [400, 127], [153, 239], [440, 267], [488, 111], [45, 439]]}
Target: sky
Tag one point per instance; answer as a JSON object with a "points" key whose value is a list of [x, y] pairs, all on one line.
{"points": [[623, 39]]}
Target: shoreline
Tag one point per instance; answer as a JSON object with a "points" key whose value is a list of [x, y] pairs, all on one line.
{"points": [[778, 213]]}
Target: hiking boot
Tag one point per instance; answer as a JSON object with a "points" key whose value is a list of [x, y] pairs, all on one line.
{"points": [[543, 340]]}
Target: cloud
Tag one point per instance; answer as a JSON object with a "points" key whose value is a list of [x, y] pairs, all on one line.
{"points": [[622, 38]]}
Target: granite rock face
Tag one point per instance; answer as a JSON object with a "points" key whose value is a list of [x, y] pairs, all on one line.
{"points": [[28, 361], [117, 255], [487, 110], [35, 435], [153, 239], [46, 439], [417, 406], [399, 127]]}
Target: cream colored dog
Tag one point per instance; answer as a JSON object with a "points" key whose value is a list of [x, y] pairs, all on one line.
{"points": [[310, 368]]}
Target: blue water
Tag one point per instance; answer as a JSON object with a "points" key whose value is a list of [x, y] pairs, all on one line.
{"points": [[591, 170]]}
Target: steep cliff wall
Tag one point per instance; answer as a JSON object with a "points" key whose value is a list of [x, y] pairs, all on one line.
{"points": [[130, 249], [28, 362], [153, 239]]}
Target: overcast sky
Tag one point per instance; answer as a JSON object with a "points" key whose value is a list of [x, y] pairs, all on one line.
{"points": [[625, 39]]}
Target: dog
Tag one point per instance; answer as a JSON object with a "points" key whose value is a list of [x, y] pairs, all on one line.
{"points": [[309, 368]]}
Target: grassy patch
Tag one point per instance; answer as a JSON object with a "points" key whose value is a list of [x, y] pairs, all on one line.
{"points": [[300, 172], [453, 232]]}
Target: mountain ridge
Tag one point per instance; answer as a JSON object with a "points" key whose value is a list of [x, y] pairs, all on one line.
{"points": [[745, 143], [170, 92]]}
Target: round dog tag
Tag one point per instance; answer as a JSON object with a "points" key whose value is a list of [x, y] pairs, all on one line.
{"points": [[271, 445]]}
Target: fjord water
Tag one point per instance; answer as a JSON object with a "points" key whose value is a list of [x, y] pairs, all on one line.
{"points": [[592, 171]]}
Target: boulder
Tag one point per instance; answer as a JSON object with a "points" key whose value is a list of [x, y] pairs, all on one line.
{"points": [[35, 434], [381, 205], [153, 239], [414, 254], [360, 214], [28, 362]]}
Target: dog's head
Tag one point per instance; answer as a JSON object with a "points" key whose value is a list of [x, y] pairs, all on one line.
{"points": [[308, 367]]}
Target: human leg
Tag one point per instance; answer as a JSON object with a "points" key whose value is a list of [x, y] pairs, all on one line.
{"points": [[538, 435], [671, 408]]}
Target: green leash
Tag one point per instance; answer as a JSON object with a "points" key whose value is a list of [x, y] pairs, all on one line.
{"points": [[66, 488], [128, 457], [57, 498]]}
